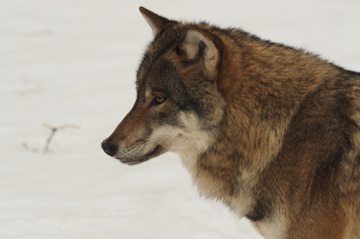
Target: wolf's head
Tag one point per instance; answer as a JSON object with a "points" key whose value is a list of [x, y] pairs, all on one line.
{"points": [[178, 106]]}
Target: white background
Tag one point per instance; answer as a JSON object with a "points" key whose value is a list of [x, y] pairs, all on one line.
{"points": [[74, 62]]}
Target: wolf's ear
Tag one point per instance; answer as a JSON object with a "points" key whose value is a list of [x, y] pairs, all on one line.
{"points": [[198, 46], [156, 22]]}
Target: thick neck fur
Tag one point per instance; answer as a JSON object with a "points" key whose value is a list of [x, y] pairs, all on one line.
{"points": [[263, 85]]}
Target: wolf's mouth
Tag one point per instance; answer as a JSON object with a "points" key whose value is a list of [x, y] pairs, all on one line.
{"points": [[133, 161]]}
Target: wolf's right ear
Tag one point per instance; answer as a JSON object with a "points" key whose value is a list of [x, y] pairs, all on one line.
{"points": [[156, 22]]}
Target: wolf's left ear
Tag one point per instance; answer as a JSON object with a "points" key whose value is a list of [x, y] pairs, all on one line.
{"points": [[156, 22], [198, 46]]}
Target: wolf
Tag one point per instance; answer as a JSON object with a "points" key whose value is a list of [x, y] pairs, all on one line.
{"points": [[271, 131]]}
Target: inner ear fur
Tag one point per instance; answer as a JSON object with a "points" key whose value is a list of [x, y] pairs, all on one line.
{"points": [[198, 46]]}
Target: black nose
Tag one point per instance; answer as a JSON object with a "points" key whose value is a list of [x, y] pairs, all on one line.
{"points": [[109, 147]]}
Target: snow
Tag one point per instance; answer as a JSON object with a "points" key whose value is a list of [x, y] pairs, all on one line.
{"points": [[74, 62]]}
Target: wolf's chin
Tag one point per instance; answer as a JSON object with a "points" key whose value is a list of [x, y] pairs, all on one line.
{"points": [[158, 150]]}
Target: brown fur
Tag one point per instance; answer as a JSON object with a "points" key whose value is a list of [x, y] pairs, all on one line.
{"points": [[287, 149]]}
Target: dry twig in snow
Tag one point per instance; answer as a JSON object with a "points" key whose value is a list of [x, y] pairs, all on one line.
{"points": [[52, 133]]}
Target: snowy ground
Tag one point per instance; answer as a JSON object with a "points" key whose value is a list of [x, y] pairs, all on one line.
{"points": [[73, 62]]}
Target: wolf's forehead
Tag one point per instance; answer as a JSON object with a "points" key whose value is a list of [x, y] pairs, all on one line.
{"points": [[156, 50], [163, 77]]}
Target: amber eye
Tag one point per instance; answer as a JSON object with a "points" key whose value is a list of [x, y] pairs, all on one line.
{"points": [[159, 100]]}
